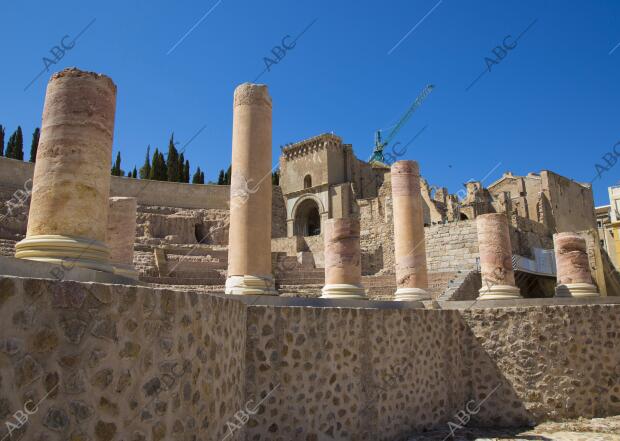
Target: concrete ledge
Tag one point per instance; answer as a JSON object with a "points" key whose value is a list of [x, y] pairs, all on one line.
{"points": [[520, 303], [32, 269], [316, 302]]}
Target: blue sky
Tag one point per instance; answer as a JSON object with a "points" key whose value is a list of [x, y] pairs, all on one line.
{"points": [[551, 103]]}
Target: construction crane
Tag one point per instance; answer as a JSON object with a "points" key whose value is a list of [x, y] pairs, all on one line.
{"points": [[377, 153]]}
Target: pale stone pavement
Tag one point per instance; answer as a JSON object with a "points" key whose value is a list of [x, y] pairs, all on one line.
{"points": [[597, 429]]}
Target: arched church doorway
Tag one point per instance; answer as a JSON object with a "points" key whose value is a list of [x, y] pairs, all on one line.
{"points": [[308, 219]]}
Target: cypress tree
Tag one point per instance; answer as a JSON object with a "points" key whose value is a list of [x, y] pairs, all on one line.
{"points": [[153, 163], [202, 177], [1, 140], [180, 171], [35, 144], [155, 168], [220, 178], [19, 148], [196, 177], [186, 172], [163, 167], [134, 173], [9, 146], [275, 177], [145, 170], [15, 146], [159, 170], [172, 162], [227, 175], [116, 168]]}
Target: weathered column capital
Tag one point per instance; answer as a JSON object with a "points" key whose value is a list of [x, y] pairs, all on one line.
{"points": [[252, 95]]}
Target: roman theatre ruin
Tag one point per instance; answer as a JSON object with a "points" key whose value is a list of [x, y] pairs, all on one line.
{"points": [[354, 300]]}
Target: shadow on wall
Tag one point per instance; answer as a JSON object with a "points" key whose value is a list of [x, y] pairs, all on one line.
{"points": [[552, 363], [535, 286], [612, 276], [487, 388]]}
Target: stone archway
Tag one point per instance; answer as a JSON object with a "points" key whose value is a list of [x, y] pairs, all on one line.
{"points": [[307, 218]]}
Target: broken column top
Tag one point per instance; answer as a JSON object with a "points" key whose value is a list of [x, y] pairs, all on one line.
{"points": [[405, 176], [252, 94], [491, 216], [341, 228], [406, 166], [568, 241], [74, 72]]}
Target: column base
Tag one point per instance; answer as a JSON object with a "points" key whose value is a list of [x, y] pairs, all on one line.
{"points": [[67, 251], [499, 292], [576, 290], [125, 270], [250, 286], [343, 291], [411, 295]]}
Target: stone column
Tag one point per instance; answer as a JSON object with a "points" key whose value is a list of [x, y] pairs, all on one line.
{"points": [[69, 207], [573, 267], [498, 279], [343, 267], [121, 235], [409, 241], [249, 244]]}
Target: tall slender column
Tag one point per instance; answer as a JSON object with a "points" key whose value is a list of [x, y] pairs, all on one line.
{"points": [[69, 206], [498, 279], [409, 241], [573, 267], [343, 268], [121, 235], [249, 244]]}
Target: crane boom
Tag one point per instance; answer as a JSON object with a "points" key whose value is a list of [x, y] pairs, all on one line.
{"points": [[377, 154]]}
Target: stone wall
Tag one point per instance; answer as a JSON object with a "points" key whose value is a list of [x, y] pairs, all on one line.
{"points": [[119, 362], [14, 173], [449, 247], [526, 234], [278, 213], [357, 374], [376, 234], [452, 246], [572, 203], [132, 363], [553, 362]]}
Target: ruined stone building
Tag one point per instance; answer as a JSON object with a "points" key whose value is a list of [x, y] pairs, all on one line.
{"points": [[321, 178]]}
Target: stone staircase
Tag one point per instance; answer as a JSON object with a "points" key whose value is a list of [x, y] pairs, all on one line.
{"points": [[305, 276], [463, 286], [308, 283]]}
